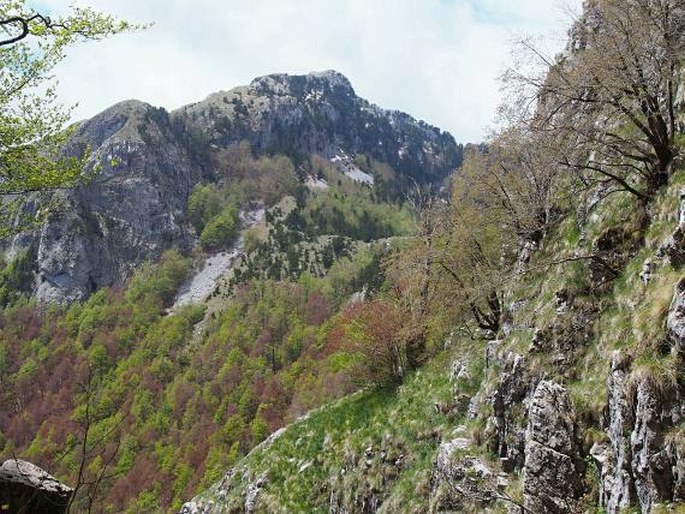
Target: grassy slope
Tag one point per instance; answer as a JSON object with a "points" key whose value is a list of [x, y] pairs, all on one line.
{"points": [[336, 451], [375, 443]]}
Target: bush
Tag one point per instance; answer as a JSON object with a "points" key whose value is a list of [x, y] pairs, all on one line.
{"points": [[221, 230], [159, 282], [204, 204], [374, 333]]}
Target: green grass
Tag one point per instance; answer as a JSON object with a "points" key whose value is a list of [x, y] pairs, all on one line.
{"points": [[326, 453], [306, 463]]}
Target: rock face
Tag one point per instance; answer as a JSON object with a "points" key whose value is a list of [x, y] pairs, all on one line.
{"points": [[24, 487], [130, 212], [675, 245], [459, 480], [652, 471], [675, 322], [640, 464], [507, 421], [320, 113], [147, 161], [613, 458], [568, 332], [553, 471]]}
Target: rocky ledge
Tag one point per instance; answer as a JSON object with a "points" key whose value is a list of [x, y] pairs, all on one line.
{"points": [[24, 487]]}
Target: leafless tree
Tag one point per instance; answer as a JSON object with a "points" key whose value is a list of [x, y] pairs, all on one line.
{"points": [[610, 99], [99, 438]]}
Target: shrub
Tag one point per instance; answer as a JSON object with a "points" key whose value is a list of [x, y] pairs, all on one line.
{"points": [[204, 204], [221, 230]]}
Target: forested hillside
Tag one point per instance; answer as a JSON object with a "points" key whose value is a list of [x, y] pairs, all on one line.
{"points": [[165, 317], [536, 360], [285, 299]]}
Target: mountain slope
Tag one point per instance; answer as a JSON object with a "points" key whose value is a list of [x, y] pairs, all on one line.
{"points": [[579, 403], [161, 320], [320, 114], [550, 297]]}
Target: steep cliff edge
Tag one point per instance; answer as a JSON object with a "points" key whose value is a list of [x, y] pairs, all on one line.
{"points": [[132, 209]]}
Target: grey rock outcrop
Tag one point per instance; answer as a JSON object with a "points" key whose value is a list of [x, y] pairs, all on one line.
{"points": [[212, 501], [675, 322], [358, 486], [459, 376], [506, 426], [252, 492], [675, 245], [133, 209], [24, 487], [651, 467], [613, 458], [648, 268], [460, 479], [640, 464], [568, 332], [553, 472]]}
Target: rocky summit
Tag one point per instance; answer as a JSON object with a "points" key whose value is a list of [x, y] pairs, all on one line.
{"points": [[145, 162]]}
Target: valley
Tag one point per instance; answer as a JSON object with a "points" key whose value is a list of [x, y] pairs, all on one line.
{"points": [[283, 298]]}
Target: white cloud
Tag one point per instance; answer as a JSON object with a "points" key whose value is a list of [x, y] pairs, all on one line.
{"points": [[438, 60]]}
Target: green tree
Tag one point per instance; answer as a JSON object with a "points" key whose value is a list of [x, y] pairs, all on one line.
{"points": [[204, 203], [259, 427], [33, 123], [465, 250], [14, 277]]}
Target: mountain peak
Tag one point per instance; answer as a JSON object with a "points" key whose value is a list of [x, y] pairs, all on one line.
{"points": [[296, 85], [332, 76]]}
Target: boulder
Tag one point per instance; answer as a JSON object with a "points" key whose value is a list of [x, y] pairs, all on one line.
{"points": [[554, 468], [24, 487]]}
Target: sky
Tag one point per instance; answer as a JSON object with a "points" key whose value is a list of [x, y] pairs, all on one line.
{"points": [[438, 60]]}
